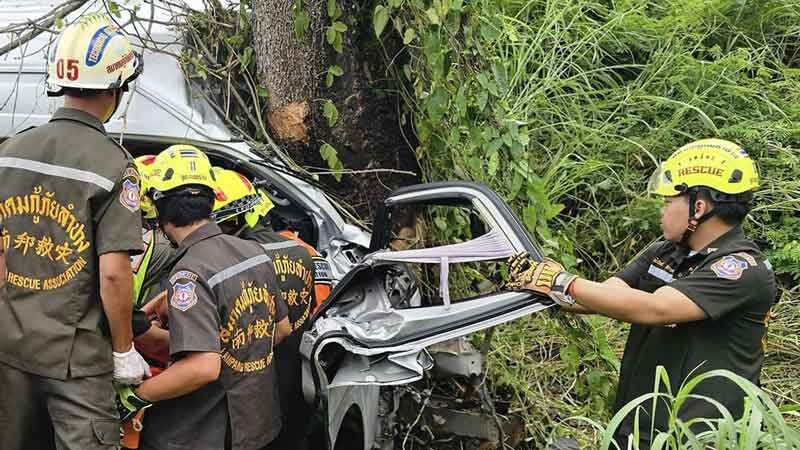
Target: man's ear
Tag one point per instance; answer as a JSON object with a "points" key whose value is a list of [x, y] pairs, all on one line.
{"points": [[702, 207]]}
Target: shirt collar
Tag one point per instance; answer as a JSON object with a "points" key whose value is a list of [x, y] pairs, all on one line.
{"points": [[204, 232], [79, 116], [723, 242]]}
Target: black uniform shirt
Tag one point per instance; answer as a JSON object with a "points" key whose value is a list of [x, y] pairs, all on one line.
{"points": [[223, 297], [68, 194], [733, 283], [294, 267]]}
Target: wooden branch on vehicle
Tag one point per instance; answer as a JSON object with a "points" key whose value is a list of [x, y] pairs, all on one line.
{"points": [[47, 21]]}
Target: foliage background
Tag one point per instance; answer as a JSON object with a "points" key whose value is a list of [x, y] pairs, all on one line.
{"points": [[564, 108]]}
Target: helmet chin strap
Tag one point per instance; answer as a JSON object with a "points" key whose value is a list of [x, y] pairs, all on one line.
{"points": [[694, 222]]}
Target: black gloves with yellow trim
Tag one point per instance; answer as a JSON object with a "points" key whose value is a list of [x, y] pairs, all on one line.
{"points": [[128, 403], [544, 277]]}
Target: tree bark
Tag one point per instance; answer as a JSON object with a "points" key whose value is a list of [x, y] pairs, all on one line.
{"points": [[368, 134]]}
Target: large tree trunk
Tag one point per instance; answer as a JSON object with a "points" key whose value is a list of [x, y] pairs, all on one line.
{"points": [[368, 134]]}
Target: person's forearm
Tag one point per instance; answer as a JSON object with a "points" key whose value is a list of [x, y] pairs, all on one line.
{"points": [[116, 294], [183, 377], [614, 300], [583, 309]]}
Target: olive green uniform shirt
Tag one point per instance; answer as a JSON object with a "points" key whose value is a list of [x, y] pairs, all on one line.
{"points": [[733, 283], [223, 297], [68, 194]]}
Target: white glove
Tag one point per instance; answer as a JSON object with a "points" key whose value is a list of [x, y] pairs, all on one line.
{"points": [[129, 367]]}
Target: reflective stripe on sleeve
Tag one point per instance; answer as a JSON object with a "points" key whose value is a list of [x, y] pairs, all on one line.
{"points": [[58, 171], [237, 269]]}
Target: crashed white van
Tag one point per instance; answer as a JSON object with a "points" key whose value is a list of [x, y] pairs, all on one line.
{"points": [[391, 326]]}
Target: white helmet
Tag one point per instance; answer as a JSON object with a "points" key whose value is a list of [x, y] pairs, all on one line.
{"points": [[92, 53]]}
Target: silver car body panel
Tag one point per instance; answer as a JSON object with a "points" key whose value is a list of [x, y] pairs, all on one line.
{"points": [[387, 346]]}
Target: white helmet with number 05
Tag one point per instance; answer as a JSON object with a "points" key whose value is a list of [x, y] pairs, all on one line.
{"points": [[92, 53]]}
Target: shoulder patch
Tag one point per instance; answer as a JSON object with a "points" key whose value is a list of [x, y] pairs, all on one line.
{"points": [[183, 295], [747, 257], [129, 195], [182, 275], [729, 267]]}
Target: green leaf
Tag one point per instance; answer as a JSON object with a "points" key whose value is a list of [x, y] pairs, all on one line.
{"points": [[380, 17], [337, 43], [334, 12], [262, 92], [433, 16], [483, 98], [494, 162], [113, 8], [436, 104], [571, 355], [409, 36], [246, 56], [530, 217], [340, 27], [302, 22], [330, 35], [336, 70], [331, 157], [395, 3], [333, 71], [330, 112]]}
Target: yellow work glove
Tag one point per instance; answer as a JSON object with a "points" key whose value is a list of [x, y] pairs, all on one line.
{"points": [[544, 277]]}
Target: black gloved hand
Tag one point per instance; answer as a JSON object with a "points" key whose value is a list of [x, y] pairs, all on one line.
{"points": [[128, 403]]}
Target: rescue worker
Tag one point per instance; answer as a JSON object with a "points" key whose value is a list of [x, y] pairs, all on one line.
{"points": [[149, 268], [697, 302], [225, 314], [241, 210], [70, 210]]}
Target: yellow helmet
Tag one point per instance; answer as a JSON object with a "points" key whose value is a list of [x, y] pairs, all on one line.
{"points": [[147, 169], [92, 53], [237, 196], [719, 165], [182, 166]]}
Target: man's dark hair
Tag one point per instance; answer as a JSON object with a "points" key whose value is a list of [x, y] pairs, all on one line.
{"points": [[732, 213], [82, 93], [184, 209]]}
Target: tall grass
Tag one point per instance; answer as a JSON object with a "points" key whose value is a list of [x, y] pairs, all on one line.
{"points": [[762, 425]]}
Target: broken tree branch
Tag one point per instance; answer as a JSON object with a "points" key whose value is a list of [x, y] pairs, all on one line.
{"points": [[47, 21]]}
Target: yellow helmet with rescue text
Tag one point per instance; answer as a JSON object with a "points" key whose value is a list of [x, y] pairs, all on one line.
{"points": [[181, 166], [238, 196], [716, 164], [92, 53], [147, 168]]}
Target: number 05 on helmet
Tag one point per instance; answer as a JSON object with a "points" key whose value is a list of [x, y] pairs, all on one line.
{"points": [[92, 53]]}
